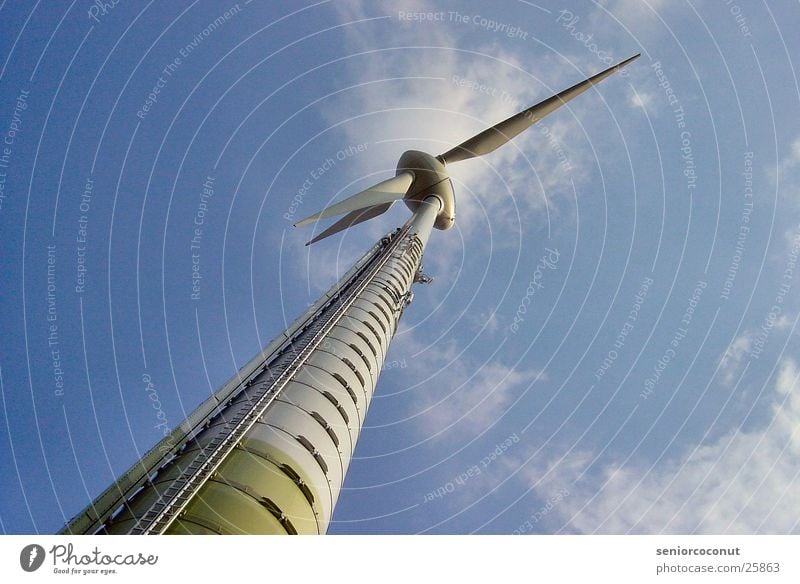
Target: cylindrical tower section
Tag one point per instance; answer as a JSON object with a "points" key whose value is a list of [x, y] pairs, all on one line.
{"points": [[285, 473]]}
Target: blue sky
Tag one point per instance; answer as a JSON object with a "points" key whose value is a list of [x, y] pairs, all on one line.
{"points": [[609, 343]]}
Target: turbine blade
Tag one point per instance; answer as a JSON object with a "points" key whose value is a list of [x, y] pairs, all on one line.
{"points": [[352, 218], [494, 137], [384, 192]]}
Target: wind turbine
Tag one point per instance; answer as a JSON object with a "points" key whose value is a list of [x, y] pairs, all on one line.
{"points": [[421, 176], [268, 452]]}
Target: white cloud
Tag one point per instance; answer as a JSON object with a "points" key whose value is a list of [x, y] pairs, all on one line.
{"points": [[792, 158], [641, 99], [738, 352], [638, 16], [457, 395], [485, 321], [455, 94], [733, 358], [432, 94], [743, 482], [786, 170]]}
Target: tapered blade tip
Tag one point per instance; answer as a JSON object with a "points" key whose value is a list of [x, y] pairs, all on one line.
{"points": [[305, 221], [629, 59]]}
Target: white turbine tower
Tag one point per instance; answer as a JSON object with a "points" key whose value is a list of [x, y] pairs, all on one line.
{"points": [[268, 452]]}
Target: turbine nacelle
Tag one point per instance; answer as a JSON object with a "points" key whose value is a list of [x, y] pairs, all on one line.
{"points": [[429, 178], [420, 175]]}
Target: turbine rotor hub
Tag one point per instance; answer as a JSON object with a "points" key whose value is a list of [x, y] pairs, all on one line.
{"points": [[430, 178]]}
